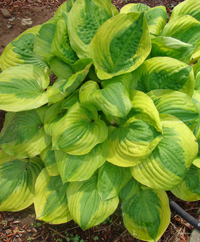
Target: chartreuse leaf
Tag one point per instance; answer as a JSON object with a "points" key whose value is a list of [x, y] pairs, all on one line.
{"points": [[169, 163], [50, 199], [85, 205], [111, 179], [64, 87], [4, 157], [138, 136], [23, 88], [64, 7], [164, 73], [85, 18], [23, 133], [123, 44], [54, 113], [17, 183], [60, 68], [190, 7], [176, 103], [60, 45], [171, 47], [187, 29], [81, 167], [113, 99], [146, 214], [78, 131], [189, 188], [20, 51], [43, 40], [48, 158], [156, 17]]}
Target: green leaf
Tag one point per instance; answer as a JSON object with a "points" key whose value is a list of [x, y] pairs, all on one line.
{"points": [[187, 29], [17, 183], [61, 69], [113, 98], [43, 40], [23, 133], [168, 164], [171, 47], [189, 188], [164, 73], [50, 199], [85, 204], [64, 7], [79, 130], [146, 215], [120, 45], [60, 45], [111, 179], [20, 51], [176, 103], [48, 158], [23, 88], [81, 167], [64, 87], [190, 7], [136, 136], [129, 190], [85, 17], [134, 7]]}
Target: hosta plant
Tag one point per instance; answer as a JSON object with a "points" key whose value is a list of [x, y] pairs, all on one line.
{"points": [[119, 123]]}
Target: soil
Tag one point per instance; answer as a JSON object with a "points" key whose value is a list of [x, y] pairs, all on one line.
{"points": [[22, 226]]}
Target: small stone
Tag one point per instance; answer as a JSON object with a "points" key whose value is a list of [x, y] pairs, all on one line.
{"points": [[26, 21], [9, 26], [5, 13], [195, 236], [11, 19]]}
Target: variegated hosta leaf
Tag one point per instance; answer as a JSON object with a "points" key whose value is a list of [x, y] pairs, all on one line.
{"points": [[50, 199], [130, 189], [134, 7], [17, 183], [64, 7], [196, 68], [113, 99], [156, 17], [176, 103], [81, 167], [43, 40], [168, 164], [85, 18], [146, 214], [64, 87], [85, 205], [23, 88], [164, 73], [189, 188], [79, 130], [190, 7], [187, 29], [138, 136], [48, 158], [111, 179], [23, 133], [60, 45], [60, 68], [123, 44], [54, 113], [171, 47], [20, 51], [71, 100]]}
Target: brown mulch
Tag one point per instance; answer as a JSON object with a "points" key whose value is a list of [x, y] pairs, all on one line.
{"points": [[22, 226]]}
